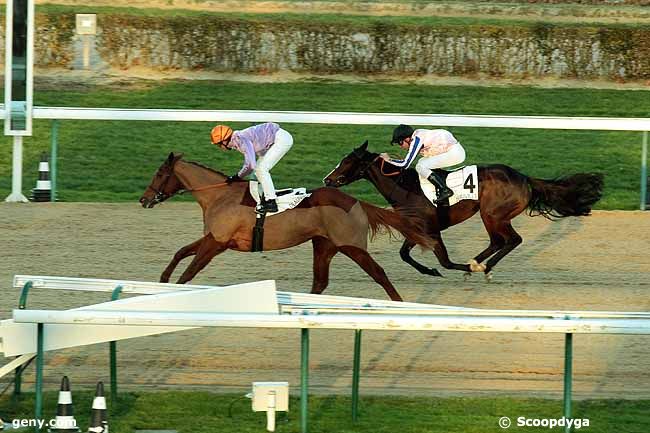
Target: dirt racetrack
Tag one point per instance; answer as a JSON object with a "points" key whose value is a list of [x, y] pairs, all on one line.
{"points": [[595, 263]]}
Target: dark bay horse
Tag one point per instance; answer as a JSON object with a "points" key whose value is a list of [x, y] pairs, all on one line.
{"points": [[332, 220], [504, 193]]}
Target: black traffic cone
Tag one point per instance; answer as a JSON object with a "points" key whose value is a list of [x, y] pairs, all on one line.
{"points": [[43, 190], [65, 422], [98, 419]]}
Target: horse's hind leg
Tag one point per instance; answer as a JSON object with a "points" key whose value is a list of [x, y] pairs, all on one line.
{"points": [[511, 241], [405, 254], [496, 240], [372, 268], [496, 243], [186, 251], [324, 251], [206, 251]]}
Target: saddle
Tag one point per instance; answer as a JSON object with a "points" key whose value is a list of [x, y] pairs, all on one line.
{"points": [[287, 198], [463, 182]]}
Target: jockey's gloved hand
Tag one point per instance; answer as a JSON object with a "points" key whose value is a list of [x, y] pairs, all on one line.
{"points": [[231, 179]]}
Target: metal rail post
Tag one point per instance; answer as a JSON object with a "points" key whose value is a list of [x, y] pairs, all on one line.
{"points": [[355, 374], [568, 377], [53, 157], [113, 354], [304, 379], [644, 170], [22, 304], [17, 172], [38, 405]]}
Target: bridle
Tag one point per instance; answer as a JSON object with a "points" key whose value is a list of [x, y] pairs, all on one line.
{"points": [[362, 171], [160, 196]]}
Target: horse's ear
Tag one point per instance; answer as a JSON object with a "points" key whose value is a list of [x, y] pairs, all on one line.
{"points": [[173, 157], [364, 146]]}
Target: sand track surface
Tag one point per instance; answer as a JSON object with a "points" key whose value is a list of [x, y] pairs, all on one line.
{"points": [[595, 263]]}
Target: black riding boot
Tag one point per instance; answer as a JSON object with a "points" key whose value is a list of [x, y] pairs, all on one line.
{"points": [[443, 192]]}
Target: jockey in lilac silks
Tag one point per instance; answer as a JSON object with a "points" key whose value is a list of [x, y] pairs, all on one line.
{"points": [[263, 146]]}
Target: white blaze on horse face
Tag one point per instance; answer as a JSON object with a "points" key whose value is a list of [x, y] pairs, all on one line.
{"points": [[330, 173]]}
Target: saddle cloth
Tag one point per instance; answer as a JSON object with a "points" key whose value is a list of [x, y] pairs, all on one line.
{"points": [[463, 182], [287, 198]]}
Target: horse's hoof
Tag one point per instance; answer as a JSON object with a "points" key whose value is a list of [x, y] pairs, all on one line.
{"points": [[434, 272], [488, 276], [475, 266]]}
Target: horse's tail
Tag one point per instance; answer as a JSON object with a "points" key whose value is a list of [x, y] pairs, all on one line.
{"points": [[565, 196], [411, 228]]}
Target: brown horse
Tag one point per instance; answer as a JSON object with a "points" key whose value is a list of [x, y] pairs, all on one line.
{"points": [[331, 219], [504, 193]]}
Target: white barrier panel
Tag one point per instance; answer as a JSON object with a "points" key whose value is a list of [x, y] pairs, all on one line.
{"points": [[259, 298], [465, 322], [10, 367]]}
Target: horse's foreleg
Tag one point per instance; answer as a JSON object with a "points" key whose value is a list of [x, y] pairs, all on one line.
{"points": [[324, 251], [206, 251], [405, 254], [441, 253], [186, 251], [372, 268]]}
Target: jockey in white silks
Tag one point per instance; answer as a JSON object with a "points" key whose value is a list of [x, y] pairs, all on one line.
{"points": [[439, 149], [263, 146]]}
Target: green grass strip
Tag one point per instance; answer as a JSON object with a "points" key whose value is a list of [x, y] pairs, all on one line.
{"points": [[202, 412], [114, 161]]}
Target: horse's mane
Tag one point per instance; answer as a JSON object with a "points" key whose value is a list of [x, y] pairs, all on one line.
{"points": [[207, 168]]}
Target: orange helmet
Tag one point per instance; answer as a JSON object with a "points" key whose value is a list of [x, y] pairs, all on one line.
{"points": [[220, 133]]}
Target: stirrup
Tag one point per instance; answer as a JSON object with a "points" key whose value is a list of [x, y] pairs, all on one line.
{"points": [[444, 195], [267, 206]]}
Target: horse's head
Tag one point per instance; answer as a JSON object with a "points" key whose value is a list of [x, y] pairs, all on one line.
{"points": [[164, 184], [351, 168]]}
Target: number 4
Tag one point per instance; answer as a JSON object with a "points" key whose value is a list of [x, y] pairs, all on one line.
{"points": [[469, 183]]}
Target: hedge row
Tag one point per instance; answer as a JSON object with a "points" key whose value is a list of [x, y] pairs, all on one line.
{"points": [[228, 43]]}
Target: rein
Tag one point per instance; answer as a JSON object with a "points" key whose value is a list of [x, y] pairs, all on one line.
{"points": [[203, 188], [159, 196], [381, 169], [399, 175]]}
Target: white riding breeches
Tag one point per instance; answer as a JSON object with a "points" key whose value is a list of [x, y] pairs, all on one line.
{"points": [[453, 156], [281, 145]]}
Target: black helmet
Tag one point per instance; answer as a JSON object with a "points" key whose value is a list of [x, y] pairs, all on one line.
{"points": [[400, 133]]}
